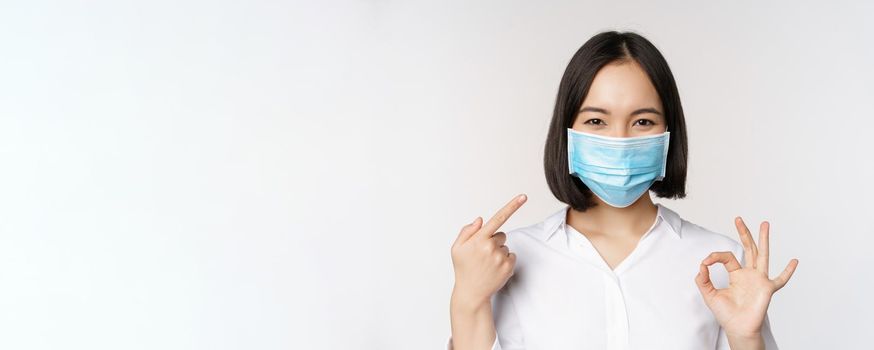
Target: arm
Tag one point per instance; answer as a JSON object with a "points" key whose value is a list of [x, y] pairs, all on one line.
{"points": [[508, 329], [765, 340], [473, 326], [747, 343]]}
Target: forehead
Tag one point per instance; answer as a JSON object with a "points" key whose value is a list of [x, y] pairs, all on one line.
{"points": [[621, 85]]}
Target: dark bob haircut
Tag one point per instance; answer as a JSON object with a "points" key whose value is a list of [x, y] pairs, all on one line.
{"points": [[600, 50]]}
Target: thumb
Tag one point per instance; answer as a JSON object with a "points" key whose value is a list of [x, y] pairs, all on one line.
{"points": [[468, 230], [705, 285]]}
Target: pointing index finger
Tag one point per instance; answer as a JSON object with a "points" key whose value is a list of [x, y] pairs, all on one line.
{"points": [[501, 216]]}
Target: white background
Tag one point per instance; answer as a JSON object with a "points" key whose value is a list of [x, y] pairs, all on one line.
{"points": [[273, 175]]}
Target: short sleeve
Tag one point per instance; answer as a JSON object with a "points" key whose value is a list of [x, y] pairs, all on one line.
{"points": [[507, 326], [507, 323]]}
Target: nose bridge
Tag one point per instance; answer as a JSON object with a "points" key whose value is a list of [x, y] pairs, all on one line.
{"points": [[619, 130]]}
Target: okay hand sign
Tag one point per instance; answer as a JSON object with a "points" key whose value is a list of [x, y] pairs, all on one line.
{"points": [[740, 308]]}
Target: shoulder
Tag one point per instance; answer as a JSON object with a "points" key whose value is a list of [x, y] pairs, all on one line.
{"points": [[699, 236], [536, 234], [526, 234]]}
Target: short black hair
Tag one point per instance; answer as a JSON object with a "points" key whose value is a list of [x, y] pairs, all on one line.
{"points": [[600, 50]]}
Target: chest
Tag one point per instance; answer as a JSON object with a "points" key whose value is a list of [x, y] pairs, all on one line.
{"points": [[613, 251], [572, 302]]}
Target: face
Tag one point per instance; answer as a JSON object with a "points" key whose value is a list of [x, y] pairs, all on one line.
{"points": [[622, 102]]}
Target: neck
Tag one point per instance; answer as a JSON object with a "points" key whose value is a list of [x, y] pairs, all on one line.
{"points": [[631, 221]]}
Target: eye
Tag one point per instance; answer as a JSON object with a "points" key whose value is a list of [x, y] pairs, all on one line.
{"points": [[644, 122], [594, 121]]}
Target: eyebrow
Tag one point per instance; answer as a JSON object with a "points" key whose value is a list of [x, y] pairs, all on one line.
{"points": [[604, 111]]}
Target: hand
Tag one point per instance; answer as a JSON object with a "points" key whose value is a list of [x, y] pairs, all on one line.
{"points": [[740, 308], [482, 262]]}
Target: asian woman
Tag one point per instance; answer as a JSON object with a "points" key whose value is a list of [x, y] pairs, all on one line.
{"points": [[612, 269]]}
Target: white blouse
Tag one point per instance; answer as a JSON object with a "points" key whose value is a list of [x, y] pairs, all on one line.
{"points": [[563, 295]]}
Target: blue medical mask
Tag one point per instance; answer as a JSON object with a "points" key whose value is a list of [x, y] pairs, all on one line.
{"points": [[617, 169]]}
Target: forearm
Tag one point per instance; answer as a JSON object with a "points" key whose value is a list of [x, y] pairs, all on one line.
{"points": [[746, 342], [473, 327]]}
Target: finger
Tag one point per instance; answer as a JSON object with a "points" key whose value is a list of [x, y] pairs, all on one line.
{"points": [[505, 251], [726, 258], [470, 229], [746, 239], [762, 262], [705, 285], [501, 216], [784, 277], [511, 259], [499, 238]]}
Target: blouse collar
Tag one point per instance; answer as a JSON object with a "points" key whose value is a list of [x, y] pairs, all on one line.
{"points": [[555, 222]]}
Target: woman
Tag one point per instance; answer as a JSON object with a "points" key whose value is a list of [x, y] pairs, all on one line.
{"points": [[612, 269]]}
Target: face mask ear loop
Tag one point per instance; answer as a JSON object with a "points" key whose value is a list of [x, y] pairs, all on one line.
{"points": [[664, 168]]}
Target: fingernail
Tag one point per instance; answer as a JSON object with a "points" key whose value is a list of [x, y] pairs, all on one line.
{"points": [[522, 198]]}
